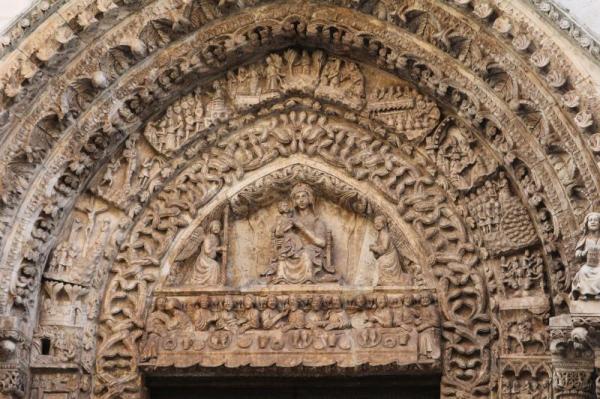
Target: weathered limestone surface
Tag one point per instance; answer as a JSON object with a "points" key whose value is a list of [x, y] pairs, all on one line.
{"points": [[404, 184]]}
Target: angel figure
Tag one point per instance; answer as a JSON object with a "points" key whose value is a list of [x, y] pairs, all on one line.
{"points": [[389, 269], [206, 269]]}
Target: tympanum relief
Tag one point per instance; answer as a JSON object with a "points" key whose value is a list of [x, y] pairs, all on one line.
{"points": [[295, 233], [295, 268], [298, 266]]}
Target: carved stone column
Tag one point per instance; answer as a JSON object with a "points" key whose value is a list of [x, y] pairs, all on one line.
{"points": [[572, 359], [14, 355]]}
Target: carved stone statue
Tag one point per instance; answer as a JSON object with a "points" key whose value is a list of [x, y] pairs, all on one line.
{"points": [[428, 328], [156, 326], [251, 315], [207, 269], [301, 242], [272, 315], [337, 318], [586, 283], [203, 317], [389, 269]]}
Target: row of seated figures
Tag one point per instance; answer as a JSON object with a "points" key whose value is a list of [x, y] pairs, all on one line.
{"points": [[376, 327]]}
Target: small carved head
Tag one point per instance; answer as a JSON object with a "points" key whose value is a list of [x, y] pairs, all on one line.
{"points": [[303, 196], [248, 302], [316, 303], [336, 302], [380, 222], [215, 227], [271, 302], [426, 300], [284, 207], [203, 301], [592, 222], [161, 303], [381, 301], [360, 301], [228, 302], [293, 301]]}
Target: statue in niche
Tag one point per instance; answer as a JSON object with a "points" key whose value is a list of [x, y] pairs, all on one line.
{"points": [[301, 242], [586, 284], [389, 269]]}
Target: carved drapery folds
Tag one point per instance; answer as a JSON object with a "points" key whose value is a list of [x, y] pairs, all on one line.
{"points": [[359, 184]]}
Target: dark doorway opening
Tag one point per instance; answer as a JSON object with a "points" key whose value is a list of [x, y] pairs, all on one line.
{"points": [[263, 387]]}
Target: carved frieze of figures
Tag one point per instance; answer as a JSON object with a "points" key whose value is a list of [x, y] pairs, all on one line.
{"points": [[522, 274], [137, 169], [404, 109], [329, 78], [502, 219], [89, 232], [271, 324]]}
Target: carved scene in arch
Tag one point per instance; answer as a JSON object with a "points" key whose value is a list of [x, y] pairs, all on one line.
{"points": [[370, 93], [297, 226], [296, 267]]}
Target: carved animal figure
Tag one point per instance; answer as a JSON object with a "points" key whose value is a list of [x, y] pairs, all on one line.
{"points": [[522, 334]]}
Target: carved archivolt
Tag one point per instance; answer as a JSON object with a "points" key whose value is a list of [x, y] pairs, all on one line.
{"points": [[402, 181]]}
